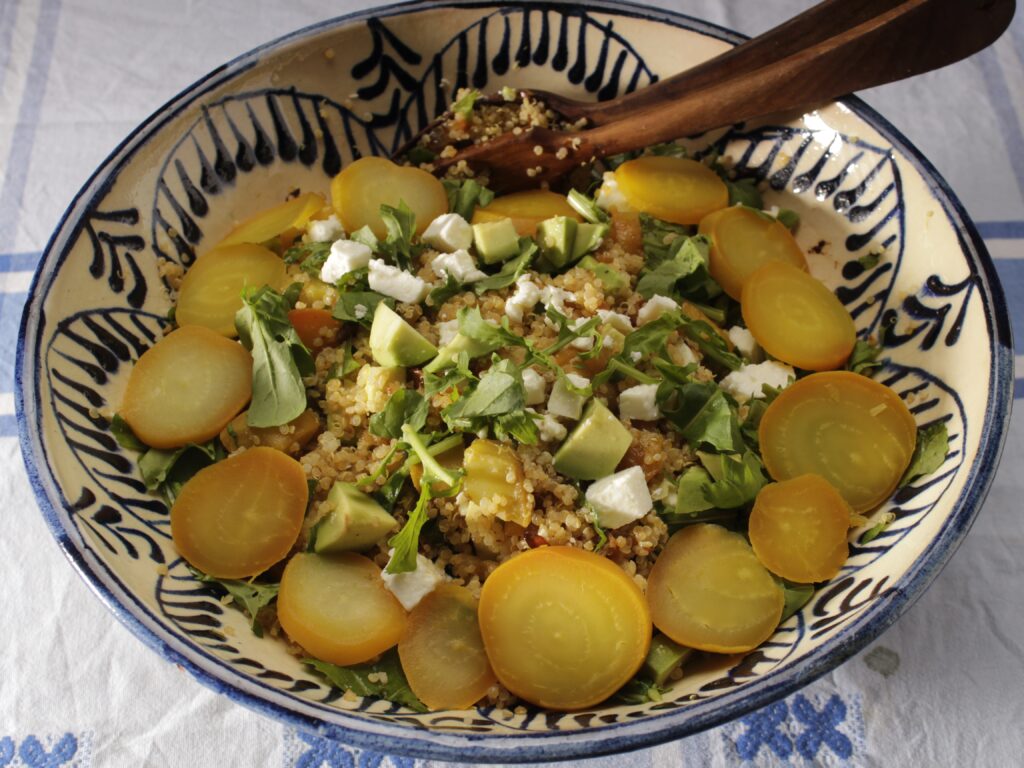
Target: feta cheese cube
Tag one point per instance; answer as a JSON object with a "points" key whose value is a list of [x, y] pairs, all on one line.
{"points": [[396, 283], [616, 320], [533, 384], [449, 232], [459, 264], [747, 382], [655, 307], [620, 498], [639, 403], [563, 401], [412, 586], [549, 429], [745, 344], [682, 354], [447, 331], [555, 298], [324, 230], [609, 196], [523, 300], [345, 256], [584, 343]]}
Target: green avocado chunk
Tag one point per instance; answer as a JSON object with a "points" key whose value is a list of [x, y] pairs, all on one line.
{"points": [[556, 236], [588, 238], [495, 240], [393, 342], [612, 279], [448, 354], [664, 658], [355, 524], [595, 446]]}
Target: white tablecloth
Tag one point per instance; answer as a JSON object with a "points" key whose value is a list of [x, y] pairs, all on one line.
{"points": [[943, 687]]}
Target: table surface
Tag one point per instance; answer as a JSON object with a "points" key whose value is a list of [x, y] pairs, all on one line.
{"points": [[941, 687]]}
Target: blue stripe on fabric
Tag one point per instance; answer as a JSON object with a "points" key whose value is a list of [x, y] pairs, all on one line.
{"points": [[11, 306], [8, 13], [1011, 275], [8, 425], [19, 262], [1001, 230], [1001, 102], [28, 119]]}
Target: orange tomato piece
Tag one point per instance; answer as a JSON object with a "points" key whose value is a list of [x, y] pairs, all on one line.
{"points": [[675, 189], [742, 240], [798, 529], [268, 224], [239, 516], [211, 291], [526, 209], [853, 431], [364, 185], [337, 607], [564, 628], [186, 388], [796, 318], [442, 652], [708, 591], [317, 328]]}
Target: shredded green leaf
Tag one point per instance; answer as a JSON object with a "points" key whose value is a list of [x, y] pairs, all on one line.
{"points": [[683, 273], [464, 195], [309, 256], [511, 270], [864, 358], [702, 414], [788, 218], [359, 306], [463, 107], [586, 207], [929, 452], [406, 406], [356, 678], [166, 472], [251, 597], [401, 226], [125, 437], [796, 597]]}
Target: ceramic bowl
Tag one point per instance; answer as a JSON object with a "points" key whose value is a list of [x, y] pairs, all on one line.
{"points": [[290, 115]]}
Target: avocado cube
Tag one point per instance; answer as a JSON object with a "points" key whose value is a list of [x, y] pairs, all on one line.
{"points": [[595, 447], [495, 241], [612, 279], [588, 238], [393, 342], [450, 352], [664, 657], [355, 523], [556, 236]]}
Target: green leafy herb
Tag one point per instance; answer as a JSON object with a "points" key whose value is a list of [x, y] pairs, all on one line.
{"points": [[463, 107], [864, 358], [870, 260], [444, 291], [382, 466], [683, 272], [595, 520], [520, 426], [738, 481], [464, 195], [356, 678], [744, 192], [929, 452], [365, 236], [165, 472], [420, 154], [359, 306], [309, 256], [690, 495], [658, 238], [473, 325], [702, 414], [406, 406], [755, 410], [667, 149], [125, 437], [872, 533], [499, 392], [249, 596], [511, 270], [452, 377], [347, 365], [586, 207], [788, 218], [401, 226], [279, 359], [795, 597], [638, 691]]}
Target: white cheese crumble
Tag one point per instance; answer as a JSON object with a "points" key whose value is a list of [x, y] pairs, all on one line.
{"points": [[412, 586], [555, 298], [534, 386], [523, 300], [620, 498], [549, 429], [396, 283], [448, 232], [682, 354], [655, 307], [616, 320], [459, 264], [745, 343], [447, 331], [345, 256], [609, 196], [324, 230], [639, 403], [563, 401], [747, 382]]}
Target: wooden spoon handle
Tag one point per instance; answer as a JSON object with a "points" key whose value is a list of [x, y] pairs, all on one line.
{"points": [[904, 38]]}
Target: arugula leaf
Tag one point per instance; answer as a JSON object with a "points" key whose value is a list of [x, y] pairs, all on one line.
{"points": [[249, 596], [356, 678], [511, 270], [788, 218], [444, 291], [359, 306], [755, 410], [125, 437], [309, 256], [873, 532], [744, 192], [464, 195], [519, 426], [638, 691], [406, 406], [449, 378], [499, 392], [473, 325], [795, 597], [702, 414], [365, 236], [711, 344], [463, 107], [652, 338], [387, 495], [690, 496], [347, 365], [741, 477], [864, 358], [401, 226], [684, 272], [279, 359], [165, 472], [586, 207], [658, 238], [929, 452]]}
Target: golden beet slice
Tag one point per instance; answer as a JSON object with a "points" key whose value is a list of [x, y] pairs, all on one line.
{"points": [[671, 188], [494, 477], [299, 431], [317, 328], [186, 388], [239, 516], [564, 628], [796, 318], [337, 607], [708, 591], [853, 431], [526, 209], [442, 652], [211, 292], [743, 240], [363, 186], [268, 224], [798, 529]]}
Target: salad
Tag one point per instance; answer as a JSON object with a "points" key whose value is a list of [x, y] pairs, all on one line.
{"points": [[460, 449]]}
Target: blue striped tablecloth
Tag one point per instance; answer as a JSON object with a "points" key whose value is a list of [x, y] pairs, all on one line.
{"points": [[943, 687]]}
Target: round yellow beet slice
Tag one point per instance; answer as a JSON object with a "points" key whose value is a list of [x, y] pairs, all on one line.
{"points": [[239, 516], [268, 224], [798, 529], [707, 590], [853, 431], [564, 628], [796, 318], [211, 292], [742, 240], [527, 209], [337, 607], [671, 188], [363, 186], [442, 652], [186, 388]]}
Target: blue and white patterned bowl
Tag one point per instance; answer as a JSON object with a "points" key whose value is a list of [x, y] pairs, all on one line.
{"points": [[294, 112]]}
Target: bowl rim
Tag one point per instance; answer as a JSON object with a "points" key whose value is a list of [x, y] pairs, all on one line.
{"points": [[529, 746]]}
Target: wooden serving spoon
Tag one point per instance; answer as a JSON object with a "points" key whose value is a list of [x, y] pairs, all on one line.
{"points": [[834, 48]]}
